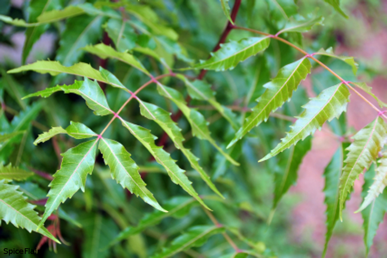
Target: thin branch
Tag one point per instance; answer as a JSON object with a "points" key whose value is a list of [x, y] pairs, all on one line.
{"points": [[317, 61], [226, 236]]}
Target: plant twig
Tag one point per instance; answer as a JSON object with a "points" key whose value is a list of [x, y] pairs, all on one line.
{"points": [[226, 236]]}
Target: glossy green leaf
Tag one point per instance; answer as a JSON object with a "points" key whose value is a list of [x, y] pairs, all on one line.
{"points": [[378, 185], [368, 90], [373, 215], [336, 5], [54, 68], [226, 9], [75, 130], [15, 209], [176, 206], [332, 175], [122, 34], [195, 119], [77, 162], [162, 157], [232, 53], [202, 91], [79, 32], [195, 236], [125, 171], [329, 104], [87, 89], [163, 119], [16, 22], [13, 173], [104, 51], [287, 173], [347, 59], [279, 90], [302, 25], [364, 149]]}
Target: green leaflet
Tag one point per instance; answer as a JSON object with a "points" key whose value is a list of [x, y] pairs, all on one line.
{"points": [[176, 174], [364, 149], [348, 59], [54, 68], [279, 90], [103, 51], [195, 236], [163, 119], [15, 209], [287, 173], [380, 182], [122, 34], [79, 32], [75, 130], [175, 206], [302, 25], [8, 136], [281, 9], [330, 103], [226, 9], [232, 53], [77, 162], [87, 89], [372, 215], [332, 175], [195, 119], [202, 91], [98, 231], [336, 5], [125, 171], [368, 90], [17, 22], [36, 8], [13, 173]]}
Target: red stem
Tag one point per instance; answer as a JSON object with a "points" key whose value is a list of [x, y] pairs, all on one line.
{"points": [[229, 27]]}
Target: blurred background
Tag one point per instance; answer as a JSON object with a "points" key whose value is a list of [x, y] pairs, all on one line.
{"points": [[298, 226]]}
